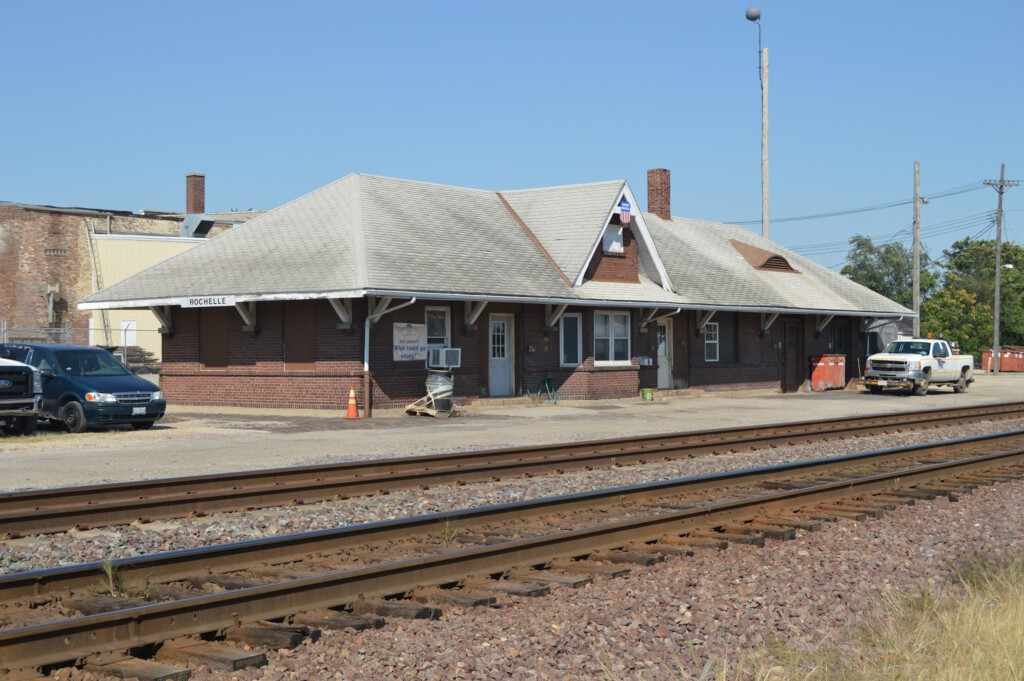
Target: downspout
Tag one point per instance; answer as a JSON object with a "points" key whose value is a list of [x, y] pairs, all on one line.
{"points": [[366, 351]]}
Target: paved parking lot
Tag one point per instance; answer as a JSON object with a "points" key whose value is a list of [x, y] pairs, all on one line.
{"points": [[194, 440]]}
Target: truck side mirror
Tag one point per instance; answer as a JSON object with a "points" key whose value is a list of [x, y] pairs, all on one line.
{"points": [[48, 373]]}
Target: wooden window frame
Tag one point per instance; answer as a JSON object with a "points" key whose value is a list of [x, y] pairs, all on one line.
{"points": [[611, 338], [711, 342], [579, 340]]}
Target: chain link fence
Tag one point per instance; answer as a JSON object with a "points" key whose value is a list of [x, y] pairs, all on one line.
{"points": [[136, 356]]}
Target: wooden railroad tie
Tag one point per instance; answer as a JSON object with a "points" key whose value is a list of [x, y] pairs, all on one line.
{"points": [[219, 656], [271, 634], [143, 670], [404, 609]]}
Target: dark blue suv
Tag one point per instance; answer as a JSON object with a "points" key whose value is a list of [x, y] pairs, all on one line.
{"points": [[85, 386]]}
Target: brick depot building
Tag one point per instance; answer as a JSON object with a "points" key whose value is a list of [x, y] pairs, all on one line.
{"points": [[352, 285]]}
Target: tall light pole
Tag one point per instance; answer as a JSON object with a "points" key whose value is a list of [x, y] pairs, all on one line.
{"points": [[754, 14]]}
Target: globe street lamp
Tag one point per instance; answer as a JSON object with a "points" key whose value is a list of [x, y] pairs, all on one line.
{"points": [[754, 14]]}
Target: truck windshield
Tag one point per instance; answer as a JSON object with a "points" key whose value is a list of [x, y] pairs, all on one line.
{"points": [[908, 348], [89, 363]]}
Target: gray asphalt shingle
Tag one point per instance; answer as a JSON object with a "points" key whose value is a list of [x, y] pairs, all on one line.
{"points": [[371, 233]]}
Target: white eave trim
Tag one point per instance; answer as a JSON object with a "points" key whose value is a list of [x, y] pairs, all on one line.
{"points": [[534, 300], [241, 298]]}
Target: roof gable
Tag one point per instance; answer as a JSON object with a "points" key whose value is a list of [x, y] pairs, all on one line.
{"points": [[566, 221]]}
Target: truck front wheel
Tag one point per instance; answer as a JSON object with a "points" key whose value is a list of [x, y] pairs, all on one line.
{"points": [[922, 386], [23, 425]]}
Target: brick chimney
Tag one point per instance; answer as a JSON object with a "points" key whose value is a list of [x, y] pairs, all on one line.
{"points": [[659, 193], [195, 193]]}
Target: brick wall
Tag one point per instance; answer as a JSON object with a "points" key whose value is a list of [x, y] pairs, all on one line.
{"points": [[617, 267], [757, 365], [256, 376], [50, 246]]}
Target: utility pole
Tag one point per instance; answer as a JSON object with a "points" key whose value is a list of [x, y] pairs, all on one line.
{"points": [[917, 249], [1000, 187]]}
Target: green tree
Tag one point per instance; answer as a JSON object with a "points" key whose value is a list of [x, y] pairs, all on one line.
{"points": [[954, 313], [888, 269], [971, 265]]}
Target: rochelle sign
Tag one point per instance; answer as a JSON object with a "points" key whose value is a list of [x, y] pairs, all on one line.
{"points": [[208, 301]]}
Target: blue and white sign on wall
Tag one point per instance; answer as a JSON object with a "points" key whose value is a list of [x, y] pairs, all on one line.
{"points": [[624, 213], [410, 342]]}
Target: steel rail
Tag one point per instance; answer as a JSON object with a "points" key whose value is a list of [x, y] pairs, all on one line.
{"points": [[70, 640], [61, 509], [141, 571]]}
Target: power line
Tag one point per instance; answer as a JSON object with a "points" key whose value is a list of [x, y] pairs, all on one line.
{"points": [[941, 260], [938, 229], [974, 186]]}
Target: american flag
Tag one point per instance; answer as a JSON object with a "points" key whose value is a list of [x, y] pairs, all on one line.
{"points": [[624, 213]]}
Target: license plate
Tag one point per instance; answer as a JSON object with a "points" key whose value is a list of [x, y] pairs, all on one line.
{"points": [[882, 384], [138, 411]]}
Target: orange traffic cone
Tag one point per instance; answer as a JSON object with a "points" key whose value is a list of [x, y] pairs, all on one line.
{"points": [[353, 411]]}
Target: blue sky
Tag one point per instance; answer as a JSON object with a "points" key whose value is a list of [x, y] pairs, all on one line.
{"points": [[110, 104]]}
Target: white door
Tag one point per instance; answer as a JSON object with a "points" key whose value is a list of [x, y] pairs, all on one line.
{"points": [[500, 356], [665, 356]]}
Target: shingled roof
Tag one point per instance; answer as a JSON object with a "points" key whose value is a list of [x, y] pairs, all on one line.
{"points": [[371, 235]]}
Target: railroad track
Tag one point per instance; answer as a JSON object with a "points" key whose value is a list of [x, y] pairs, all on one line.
{"points": [[342, 575], [62, 509]]}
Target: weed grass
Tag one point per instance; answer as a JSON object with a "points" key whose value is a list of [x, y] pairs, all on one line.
{"points": [[971, 633]]}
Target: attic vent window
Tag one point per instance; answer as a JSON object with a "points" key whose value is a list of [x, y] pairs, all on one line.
{"points": [[776, 262], [761, 259], [55, 251]]}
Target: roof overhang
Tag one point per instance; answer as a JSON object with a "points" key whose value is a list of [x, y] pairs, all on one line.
{"points": [[461, 297]]}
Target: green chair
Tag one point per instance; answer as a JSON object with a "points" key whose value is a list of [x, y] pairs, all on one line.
{"points": [[547, 387]]}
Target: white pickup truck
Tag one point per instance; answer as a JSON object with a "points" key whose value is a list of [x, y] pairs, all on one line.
{"points": [[915, 364], [21, 397]]}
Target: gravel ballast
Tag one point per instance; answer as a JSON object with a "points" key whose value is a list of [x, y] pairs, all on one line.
{"points": [[715, 605]]}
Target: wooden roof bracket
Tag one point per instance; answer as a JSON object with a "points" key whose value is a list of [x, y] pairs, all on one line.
{"points": [[472, 314], [703, 321], [163, 315], [653, 314], [553, 313], [821, 321], [767, 319], [343, 308], [379, 308], [247, 310], [868, 323]]}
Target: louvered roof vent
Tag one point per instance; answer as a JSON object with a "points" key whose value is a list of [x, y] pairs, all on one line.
{"points": [[761, 259]]}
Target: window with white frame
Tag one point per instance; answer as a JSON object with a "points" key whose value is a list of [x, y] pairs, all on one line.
{"points": [[570, 340], [611, 337], [612, 242], [438, 327], [711, 342]]}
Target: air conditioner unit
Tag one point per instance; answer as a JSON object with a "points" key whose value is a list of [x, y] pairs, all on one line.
{"points": [[445, 357]]}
